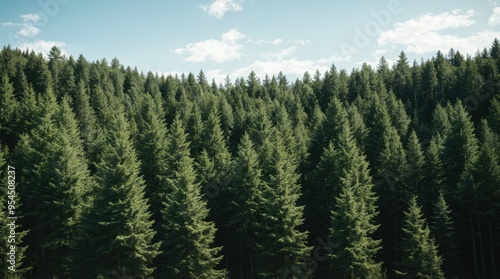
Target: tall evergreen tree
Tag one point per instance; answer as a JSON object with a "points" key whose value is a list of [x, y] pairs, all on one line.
{"points": [[115, 232], [55, 179], [282, 250], [187, 235], [420, 255], [353, 219], [443, 230], [415, 158], [152, 148], [246, 191], [8, 113]]}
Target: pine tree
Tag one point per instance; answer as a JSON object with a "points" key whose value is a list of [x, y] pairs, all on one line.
{"points": [[246, 191], [443, 230], [420, 257], [195, 130], [54, 181], [281, 251], [336, 117], [415, 158], [494, 114], [8, 113], [394, 194], [115, 232], [215, 145], [486, 177], [434, 170], [353, 219], [402, 78], [87, 122], [187, 235], [152, 148]]}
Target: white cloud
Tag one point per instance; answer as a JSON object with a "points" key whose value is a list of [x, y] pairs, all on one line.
{"points": [[494, 20], [42, 46], [277, 42], [219, 51], [28, 30], [279, 54], [220, 7], [424, 33], [30, 17]]}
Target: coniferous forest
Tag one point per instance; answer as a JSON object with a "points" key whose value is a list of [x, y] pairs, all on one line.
{"points": [[386, 172]]}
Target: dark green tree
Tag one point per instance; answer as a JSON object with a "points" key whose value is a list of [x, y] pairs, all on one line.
{"points": [[282, 250], [116, 230], [420, 254], [187, 236], [8, 113], [152, 150], [246, 191], [443, 230], [54, 181], [353, 218]]}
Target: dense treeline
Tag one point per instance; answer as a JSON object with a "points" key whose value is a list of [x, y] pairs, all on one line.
{"points": [[378, 173]]}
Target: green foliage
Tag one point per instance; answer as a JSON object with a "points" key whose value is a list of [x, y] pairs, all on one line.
{"points": [[353, 219], [8, 113], [420, 256], [187, 236], [106, 154], [443, 230], [282, 249], [52, 187], [115, 231]]}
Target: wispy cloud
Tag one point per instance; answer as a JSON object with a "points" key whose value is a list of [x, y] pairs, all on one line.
{"points": [[226, 49], [220, 7], [426, 33], [494, 19], [26, 28], [31, 17], [277, 42]]}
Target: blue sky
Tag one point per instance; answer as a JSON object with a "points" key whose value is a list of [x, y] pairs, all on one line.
{"points": [[233, 37]]}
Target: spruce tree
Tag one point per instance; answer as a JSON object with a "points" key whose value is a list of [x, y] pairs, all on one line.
{"points": [[53, 183], [115, 232], [187, 235], [443, 230], [282, 250], [152, 153], [8, 113], [420, 256], [415, 158], [353, 217], [486, 177], [434, 173], [246, 191], [215, 144]]}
